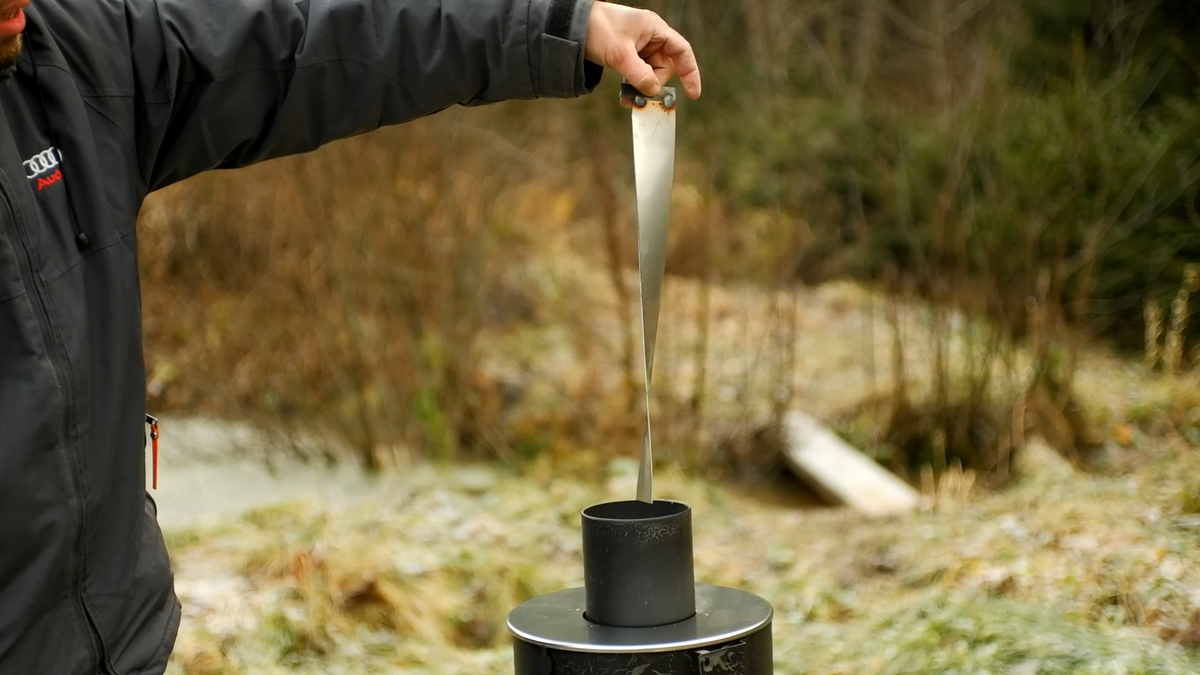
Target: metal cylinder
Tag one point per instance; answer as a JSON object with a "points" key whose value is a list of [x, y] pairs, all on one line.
{"points": [[637, 563], [730, 634], [640, 610]]}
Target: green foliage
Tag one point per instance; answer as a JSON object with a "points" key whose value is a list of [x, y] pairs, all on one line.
{"points": [[1077, 158], [296, 639], [1174, 412], [987, 634], [980, 154], [1189, 499], [1151, 44]]}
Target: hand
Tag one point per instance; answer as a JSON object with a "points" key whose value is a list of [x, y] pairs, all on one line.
{"points": [[641, 47]]}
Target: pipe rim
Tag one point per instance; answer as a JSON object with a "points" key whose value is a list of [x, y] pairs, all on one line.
{"points": [[597, 513]]}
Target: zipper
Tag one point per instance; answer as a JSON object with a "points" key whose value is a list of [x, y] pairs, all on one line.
{"points": [[153, 422], [57, 361]]}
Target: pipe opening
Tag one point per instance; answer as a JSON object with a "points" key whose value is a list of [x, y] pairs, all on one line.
{"points": [[634, 510]]}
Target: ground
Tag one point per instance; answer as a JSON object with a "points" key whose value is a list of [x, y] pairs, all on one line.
{"points": [[1061, 573], [1058, 572]]}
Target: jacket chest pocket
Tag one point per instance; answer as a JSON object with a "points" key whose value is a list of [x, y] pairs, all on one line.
{"points": [[42, 232], [82, 187], [77, 215]]}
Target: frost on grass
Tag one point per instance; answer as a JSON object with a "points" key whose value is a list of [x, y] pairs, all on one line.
{"points": [[1061, 574]]}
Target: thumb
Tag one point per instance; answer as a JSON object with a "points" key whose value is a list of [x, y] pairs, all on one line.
{"points": [[637, 72]]}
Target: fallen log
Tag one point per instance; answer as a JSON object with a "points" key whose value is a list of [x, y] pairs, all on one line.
{"points": [[840, 472]]}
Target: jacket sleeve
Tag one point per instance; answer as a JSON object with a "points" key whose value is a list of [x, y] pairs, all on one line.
{"points": [[227, 83]]}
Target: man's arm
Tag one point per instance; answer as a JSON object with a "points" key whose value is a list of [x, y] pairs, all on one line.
{"points": [[226, 83]]}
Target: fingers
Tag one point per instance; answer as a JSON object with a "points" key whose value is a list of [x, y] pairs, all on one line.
{"points": [[664, 69], [683, 59], [669, 53], [637, 72], [642, 48]]}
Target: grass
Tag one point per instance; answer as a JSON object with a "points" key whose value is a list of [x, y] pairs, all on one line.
{"points": [[1062, 572]]}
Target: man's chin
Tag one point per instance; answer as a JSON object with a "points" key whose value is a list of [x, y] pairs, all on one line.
{"points": [[10, 49]]}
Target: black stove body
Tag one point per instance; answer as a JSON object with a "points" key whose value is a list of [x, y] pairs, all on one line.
{"points": [[640, 611]]}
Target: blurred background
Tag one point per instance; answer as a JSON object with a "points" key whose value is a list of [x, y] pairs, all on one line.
{"points": [[961, 234]]}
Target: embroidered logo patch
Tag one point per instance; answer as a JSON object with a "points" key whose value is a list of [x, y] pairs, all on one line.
{"points": [[44, 167]]}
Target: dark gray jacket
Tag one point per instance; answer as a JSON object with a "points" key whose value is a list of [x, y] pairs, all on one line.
{"points": [[113, 99]]}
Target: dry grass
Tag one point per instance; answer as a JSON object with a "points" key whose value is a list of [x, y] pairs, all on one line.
{"points": [[1171, 406], [363, 289], [409, 290], [1063, 573], [345, 289]]}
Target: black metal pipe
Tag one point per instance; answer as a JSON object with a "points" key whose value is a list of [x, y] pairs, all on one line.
{"points": [[637, 563]]}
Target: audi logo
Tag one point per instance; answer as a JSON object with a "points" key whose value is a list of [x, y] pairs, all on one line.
{"points": [[42, 163]]}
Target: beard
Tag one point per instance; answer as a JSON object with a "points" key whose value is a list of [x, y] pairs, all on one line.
{"points": [[10, 49]]}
